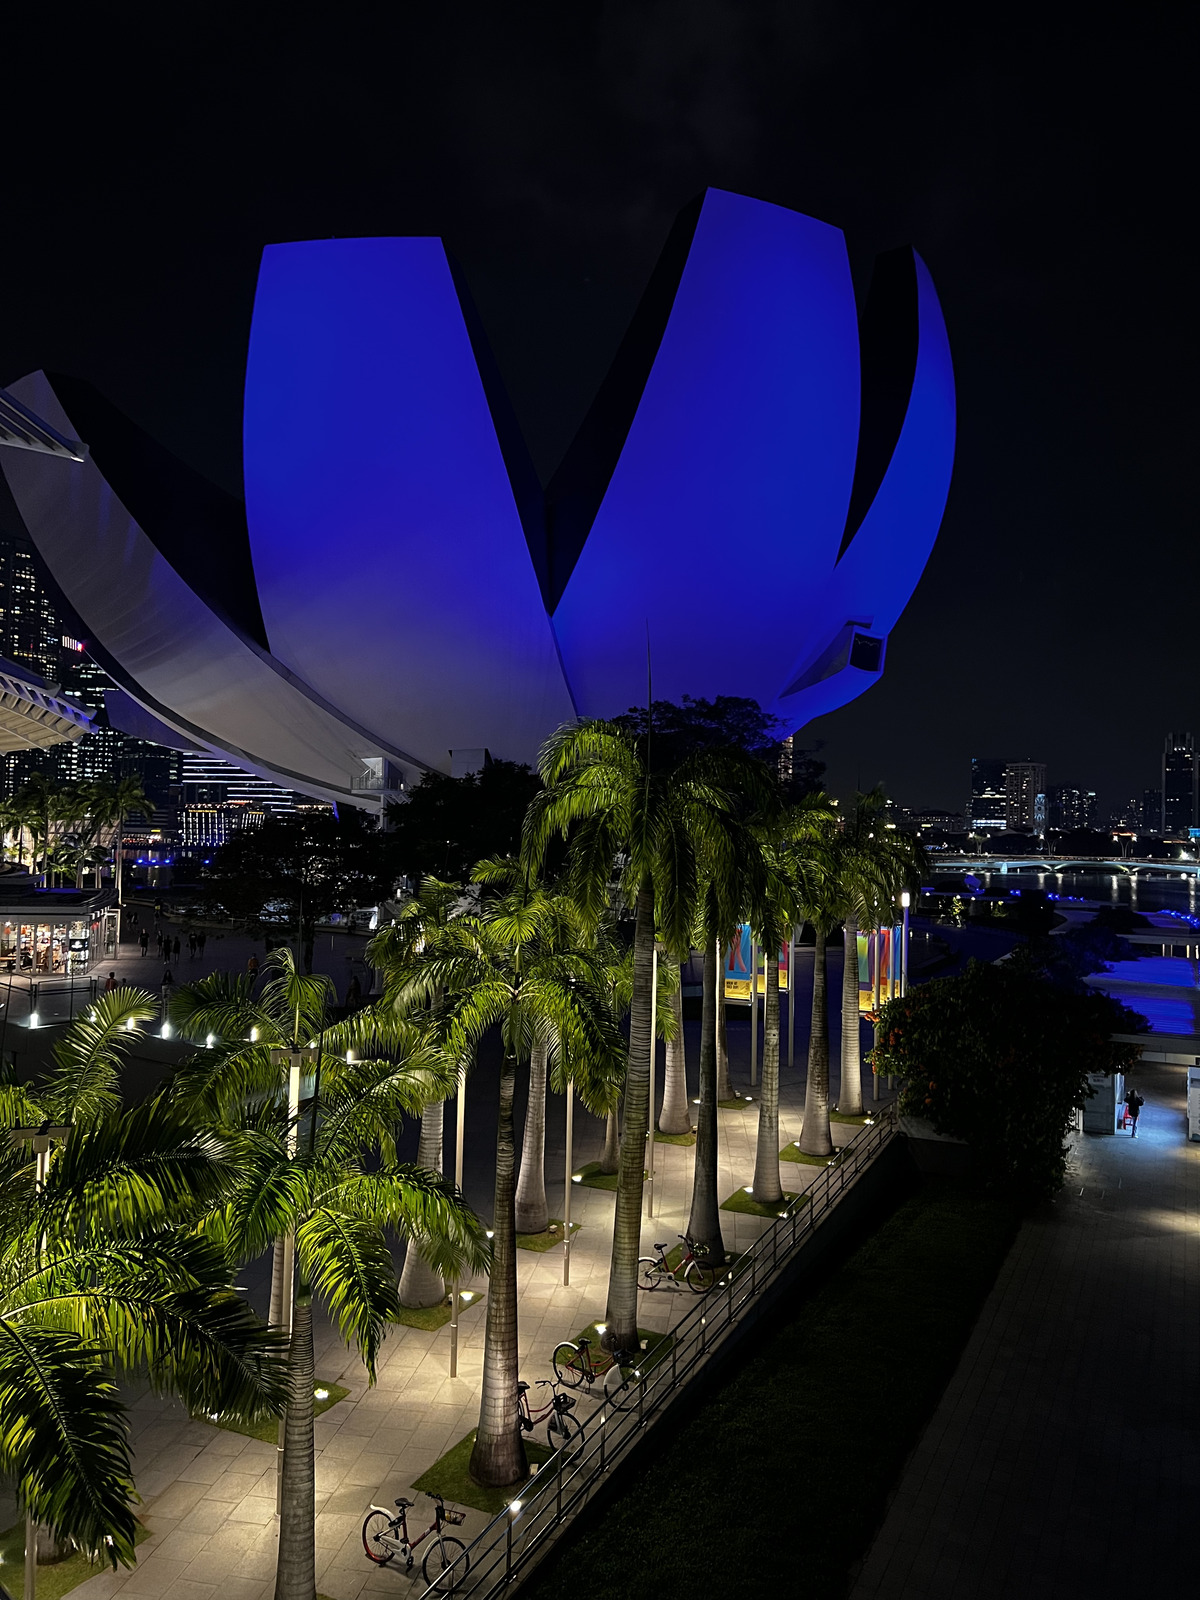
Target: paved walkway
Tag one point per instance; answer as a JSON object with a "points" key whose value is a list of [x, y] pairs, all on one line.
{"points": [[1064, 1458], [210, 1495]]}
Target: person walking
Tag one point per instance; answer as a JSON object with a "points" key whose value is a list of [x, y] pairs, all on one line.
{"points": [[1134, 1102], [191, 946], [111, 984], [252, 967], [168, 984], [159, 941], [201, 941], [143, 940], [175, 947], [353, 993]]}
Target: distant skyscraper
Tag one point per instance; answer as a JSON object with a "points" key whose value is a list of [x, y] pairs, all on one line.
{"points": [[1068, 808], [1179, 784], [1025, 796], [986, 807], [208, 781], [1151, 810]]}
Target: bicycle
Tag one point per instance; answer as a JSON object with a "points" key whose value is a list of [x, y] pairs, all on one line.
{"points": [[385, 1536], [699, 1274], [563, 1432], [575, 1366]]}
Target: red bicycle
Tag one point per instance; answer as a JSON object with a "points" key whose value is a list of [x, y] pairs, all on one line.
{"points": [[385, 1536], [693, 1267], [563, 1432]]}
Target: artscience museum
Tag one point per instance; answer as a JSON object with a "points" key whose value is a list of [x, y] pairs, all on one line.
{"points": [[755, 491]]}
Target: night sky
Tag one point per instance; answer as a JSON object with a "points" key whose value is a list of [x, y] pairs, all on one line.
{"points": [[1044, 169]]}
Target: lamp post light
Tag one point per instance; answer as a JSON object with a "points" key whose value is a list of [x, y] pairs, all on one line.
{"points": [[41, 1139], [905, 902]]}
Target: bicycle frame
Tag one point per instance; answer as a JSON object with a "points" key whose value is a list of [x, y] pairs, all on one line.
{"points": [[403, 1546]]}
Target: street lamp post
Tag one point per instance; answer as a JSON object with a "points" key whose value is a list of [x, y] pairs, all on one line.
{"points": [[568, 1179], [460, 1132], [295, 1059], [905, 902], [653, 1064], [41, 1139]]}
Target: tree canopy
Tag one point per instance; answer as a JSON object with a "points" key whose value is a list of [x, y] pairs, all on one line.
{"points": [[1000, 1057], [295, 871], [448, 824]]}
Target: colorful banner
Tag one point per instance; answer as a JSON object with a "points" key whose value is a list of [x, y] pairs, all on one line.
{"points": [[873, 949], [737, 969]]}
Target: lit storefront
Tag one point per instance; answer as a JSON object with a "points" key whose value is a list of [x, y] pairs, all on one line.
{"points": [[57, 933]]}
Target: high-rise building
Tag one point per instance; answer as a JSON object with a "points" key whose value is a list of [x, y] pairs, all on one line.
{"points": [[1151, 811], [1179, 784], [986, 808], [1068, 808], [1025, 796], [30, 632], [208, 781]]}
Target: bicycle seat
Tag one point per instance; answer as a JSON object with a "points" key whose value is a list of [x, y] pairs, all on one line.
{"points": [[661, 1246], [402, 1504], [522, 1388], [583, 1343]]}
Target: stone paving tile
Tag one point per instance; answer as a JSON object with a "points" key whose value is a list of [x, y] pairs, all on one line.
{"points": [[210, 1493], [1064, 1457]]}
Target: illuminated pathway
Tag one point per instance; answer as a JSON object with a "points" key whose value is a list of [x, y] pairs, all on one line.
{"points": [[1064, 1458]]}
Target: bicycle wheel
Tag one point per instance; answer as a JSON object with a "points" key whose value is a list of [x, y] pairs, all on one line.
{"points": [[699, 1276], [570, 1364], [649, 1273], [620, 1386], [377, 1524], [565, 1434], [439, 1568]]}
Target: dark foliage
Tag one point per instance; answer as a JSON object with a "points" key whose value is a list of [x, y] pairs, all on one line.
{"points": [[293, 872], [1000, 1057], [448, 824], [727, 722]]}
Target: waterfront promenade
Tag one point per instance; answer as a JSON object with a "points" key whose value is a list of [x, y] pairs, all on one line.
{"points": [[209, 1495], [1064, 1458]]}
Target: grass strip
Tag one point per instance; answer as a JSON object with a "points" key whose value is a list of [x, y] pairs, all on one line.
{"points": [[739, 1200], [816, 1423], [674, 1138], [548, 1238], [325, 1394], [55, 1578], [793, 1152], [738, 1103], [449, 1476], [430, 1318], [592, 1178]]}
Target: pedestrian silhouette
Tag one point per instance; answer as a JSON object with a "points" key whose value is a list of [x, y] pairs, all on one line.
{"points": [[1135, 1103]]}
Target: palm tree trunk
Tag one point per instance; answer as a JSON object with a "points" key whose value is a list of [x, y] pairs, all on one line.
{"points": [[621, 1312], [850, 1102], [610, 1156], [498, 1457], [420, 1285], [724, 1081], [675, 1116], [767, 1187], [119, 856], [704, 1224], [815, 1139], [533, 1215], [275, 1315], [296, 1570]]}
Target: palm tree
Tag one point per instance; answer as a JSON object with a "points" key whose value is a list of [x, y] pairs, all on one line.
{"points": [[419, 918], [332, 1183], [103, 1276], [514, 965], [122, 799], [655, 830], [821, 906], [792, 869], [676, 1115], [874, 862]]}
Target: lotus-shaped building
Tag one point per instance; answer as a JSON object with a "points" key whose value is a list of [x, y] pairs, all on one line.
{"points": [[754, 492]]}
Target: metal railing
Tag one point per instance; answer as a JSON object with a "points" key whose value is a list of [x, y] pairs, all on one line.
{"points": [[513, 1539]]}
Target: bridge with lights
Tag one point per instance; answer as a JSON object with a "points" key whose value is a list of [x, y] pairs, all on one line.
{"points": [[1056, 866]]}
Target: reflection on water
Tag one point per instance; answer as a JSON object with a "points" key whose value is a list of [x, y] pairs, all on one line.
{"points": [[1147, 894]]}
